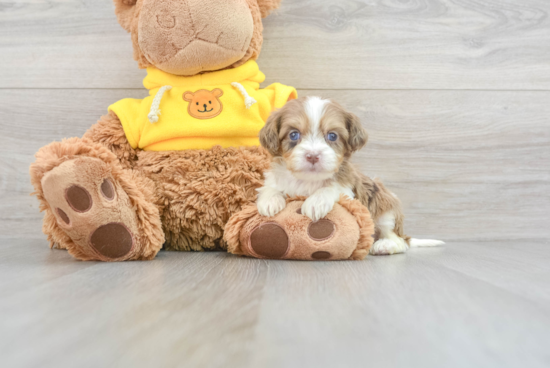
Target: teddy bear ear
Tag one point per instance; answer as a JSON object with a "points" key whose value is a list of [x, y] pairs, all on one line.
{"points": [[267, 6], [125, 10]]}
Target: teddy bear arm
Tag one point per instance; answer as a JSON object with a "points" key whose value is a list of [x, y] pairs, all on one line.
{"points": [[109, 132]]}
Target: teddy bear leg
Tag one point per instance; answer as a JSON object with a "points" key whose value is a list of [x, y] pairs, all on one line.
{"points": [[94, 208], [345, 233]]}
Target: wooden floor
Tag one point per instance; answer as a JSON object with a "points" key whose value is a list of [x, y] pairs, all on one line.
{"points": [[465, 305], [455, 95]]}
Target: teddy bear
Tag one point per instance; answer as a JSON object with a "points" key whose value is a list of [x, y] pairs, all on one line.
{"points": [[171, 169]]}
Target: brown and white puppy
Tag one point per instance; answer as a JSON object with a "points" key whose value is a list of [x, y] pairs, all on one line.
{"points": [[311, 140]]}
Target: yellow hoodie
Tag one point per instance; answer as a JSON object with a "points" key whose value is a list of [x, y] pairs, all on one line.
{"points": [[225, 108]]}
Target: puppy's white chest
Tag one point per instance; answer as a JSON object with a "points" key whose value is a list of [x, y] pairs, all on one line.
{"points": [[295, 187], [283, 180]]}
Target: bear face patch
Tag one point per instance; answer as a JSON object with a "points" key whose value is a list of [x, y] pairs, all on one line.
{"points": [[204, 104]]}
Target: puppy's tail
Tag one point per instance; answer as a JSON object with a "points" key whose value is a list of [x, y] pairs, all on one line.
{"points": [[416, 243]]}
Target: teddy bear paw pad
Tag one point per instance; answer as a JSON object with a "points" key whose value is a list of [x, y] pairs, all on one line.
{"points": [[92, 209], [112, 240], [78, 198], [321, 230], [269, 240], [321, 255]]}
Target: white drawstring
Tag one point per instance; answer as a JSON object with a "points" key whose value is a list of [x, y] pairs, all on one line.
{"points": [[155, 111], [248, 101]]}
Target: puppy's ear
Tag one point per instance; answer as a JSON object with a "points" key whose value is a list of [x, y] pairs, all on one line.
{"points": [[269, 135], [358, 136], [125, 11], [267, 6]]}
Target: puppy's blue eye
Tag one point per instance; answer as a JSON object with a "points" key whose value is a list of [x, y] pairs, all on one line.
{"points": [[294, 136], [332, 137]]}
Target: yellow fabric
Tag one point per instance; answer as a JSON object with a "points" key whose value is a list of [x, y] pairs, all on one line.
{"points": [[179, 127]]}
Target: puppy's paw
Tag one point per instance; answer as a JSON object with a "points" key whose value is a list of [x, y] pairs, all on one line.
{"points": [[317, 206], [270, 205], [387, 246]]}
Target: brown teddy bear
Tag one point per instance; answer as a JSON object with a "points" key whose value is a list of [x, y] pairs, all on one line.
{"points": [[170, 169]]}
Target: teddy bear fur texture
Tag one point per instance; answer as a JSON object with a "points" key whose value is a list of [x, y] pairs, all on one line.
{"points": [[97, 189]]}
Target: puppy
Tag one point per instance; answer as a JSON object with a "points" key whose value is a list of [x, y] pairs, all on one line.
{"points": [[311, 140]]}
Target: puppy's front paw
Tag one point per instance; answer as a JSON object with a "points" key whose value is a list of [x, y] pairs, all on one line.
{"points": [[316, 207], [270, 205]]}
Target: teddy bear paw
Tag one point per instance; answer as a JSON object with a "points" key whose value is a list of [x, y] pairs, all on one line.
{"points": [[293, 235], [92, 209]]}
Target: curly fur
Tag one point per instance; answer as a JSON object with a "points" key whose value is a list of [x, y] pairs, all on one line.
{"points": [[267, 6], [366, 225], [109, 133], [199, 190]]}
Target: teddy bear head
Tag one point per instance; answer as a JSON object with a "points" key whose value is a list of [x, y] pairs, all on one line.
{"points": [[187, 37]]}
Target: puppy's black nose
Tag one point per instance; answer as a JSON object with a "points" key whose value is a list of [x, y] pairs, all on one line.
{"points": [[205, 106], [312, 157]]}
